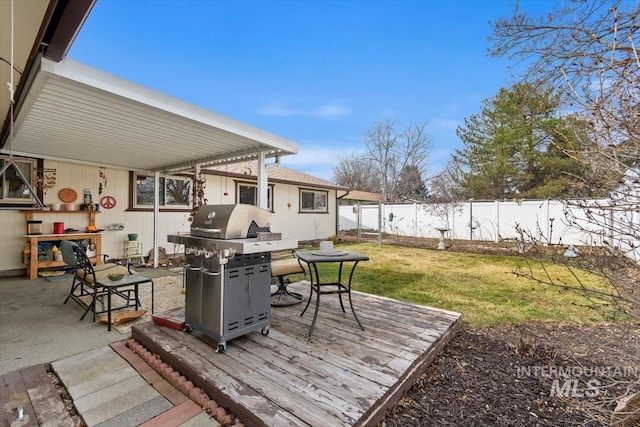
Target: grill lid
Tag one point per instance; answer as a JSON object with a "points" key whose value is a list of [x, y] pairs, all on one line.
{"points": [[230, 221]]}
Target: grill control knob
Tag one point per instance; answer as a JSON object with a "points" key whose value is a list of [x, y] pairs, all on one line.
{"points": [[208, 253], [198, 252], [189, 250]]}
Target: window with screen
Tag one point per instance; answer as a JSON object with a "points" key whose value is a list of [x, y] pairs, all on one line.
{"points": [[313, 201], [173, 191], [248, 194]]}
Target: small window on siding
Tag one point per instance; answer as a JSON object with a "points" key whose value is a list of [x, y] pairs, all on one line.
{"points": [[173, 191], [248, 194], [314, 201]]}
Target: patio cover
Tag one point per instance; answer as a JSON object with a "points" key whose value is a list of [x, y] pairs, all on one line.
{"points": [[77, 113]]}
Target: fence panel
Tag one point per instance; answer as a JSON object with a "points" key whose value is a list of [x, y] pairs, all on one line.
{"points": [[496, 221]]}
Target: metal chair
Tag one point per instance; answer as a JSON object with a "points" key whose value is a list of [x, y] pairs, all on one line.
{"points": [[87, 275]]}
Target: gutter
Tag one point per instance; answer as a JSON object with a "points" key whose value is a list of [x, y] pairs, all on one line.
{"points": [[344, 195]]}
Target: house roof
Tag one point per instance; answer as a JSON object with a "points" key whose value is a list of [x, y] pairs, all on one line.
{"points": [[275, 173], [361, 196]]}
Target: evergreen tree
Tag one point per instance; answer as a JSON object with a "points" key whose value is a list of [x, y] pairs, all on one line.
{"points": [[410, 184], [519, 146]]}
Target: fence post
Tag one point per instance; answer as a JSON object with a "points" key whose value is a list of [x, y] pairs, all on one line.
{"points": [[497, 239], [379, 222], [358, 221], [471, 219], [549, 222], [453, 223], [611, 232]]}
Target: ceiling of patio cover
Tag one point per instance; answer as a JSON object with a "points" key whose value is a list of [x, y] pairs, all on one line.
{"points": [[80, 114]]}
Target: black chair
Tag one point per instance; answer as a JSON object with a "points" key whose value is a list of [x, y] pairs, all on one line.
{"points": [[87, 275]]}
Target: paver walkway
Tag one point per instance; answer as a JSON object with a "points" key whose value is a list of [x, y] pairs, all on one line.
{"points": [[110, 386]]}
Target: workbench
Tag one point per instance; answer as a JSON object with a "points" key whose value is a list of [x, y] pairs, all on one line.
{"points": [[33, 239]]}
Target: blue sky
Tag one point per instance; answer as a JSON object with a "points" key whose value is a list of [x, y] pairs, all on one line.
{"points": [[319, 73]]}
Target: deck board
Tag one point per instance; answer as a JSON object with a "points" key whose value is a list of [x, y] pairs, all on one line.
{"points": [[339, 376]]}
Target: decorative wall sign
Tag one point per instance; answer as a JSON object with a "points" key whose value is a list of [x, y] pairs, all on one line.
{"points": [[108, 202], [68, 195], [45, 179], [103, 177]]}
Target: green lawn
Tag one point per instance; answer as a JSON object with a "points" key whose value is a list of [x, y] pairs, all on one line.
{"points": [[481, 287]]}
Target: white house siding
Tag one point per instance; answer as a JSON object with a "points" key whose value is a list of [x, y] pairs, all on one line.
{"points": [[301, 226], [288, 221], [79, 177]]}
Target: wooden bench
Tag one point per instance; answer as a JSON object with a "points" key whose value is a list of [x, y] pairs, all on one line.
{"points": [[283, 265]]}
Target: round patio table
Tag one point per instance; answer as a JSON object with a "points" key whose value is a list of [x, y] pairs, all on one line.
{"points": [[313, 258]]}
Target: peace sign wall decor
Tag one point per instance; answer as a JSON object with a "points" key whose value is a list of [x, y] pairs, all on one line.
{"points": [[108, 202]]}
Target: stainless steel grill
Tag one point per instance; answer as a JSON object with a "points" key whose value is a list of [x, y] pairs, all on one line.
{"points": [[228, 272]]}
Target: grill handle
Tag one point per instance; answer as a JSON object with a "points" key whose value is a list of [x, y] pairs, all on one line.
{"points": [[207, 230]]}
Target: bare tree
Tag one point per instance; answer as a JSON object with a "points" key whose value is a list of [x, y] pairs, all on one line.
{"points": [[589, 51], [392, 151], [355, 172]]}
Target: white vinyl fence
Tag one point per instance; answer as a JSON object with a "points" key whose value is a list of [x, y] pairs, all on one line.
{"points": [[495, 221]]}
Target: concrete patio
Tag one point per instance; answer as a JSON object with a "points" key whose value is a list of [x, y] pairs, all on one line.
{"points": [[285, 378]]}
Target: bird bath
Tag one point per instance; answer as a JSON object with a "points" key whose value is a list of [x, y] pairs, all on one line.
{"points": [[441, 245]]}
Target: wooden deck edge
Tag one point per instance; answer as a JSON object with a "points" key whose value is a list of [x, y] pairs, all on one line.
{"points": [[171, 353], [375, 415], [184, 368]]}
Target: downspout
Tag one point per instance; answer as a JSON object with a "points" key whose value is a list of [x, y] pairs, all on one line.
{"points": [[338, 210]]}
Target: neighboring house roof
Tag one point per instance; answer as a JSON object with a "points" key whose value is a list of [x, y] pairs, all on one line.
{"points": [[275, 173], [360, 196]]}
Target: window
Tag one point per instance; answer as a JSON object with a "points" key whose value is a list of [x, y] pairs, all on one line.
{"points": [[248, 194], [173, 192], [12, 189], [313, 201]]}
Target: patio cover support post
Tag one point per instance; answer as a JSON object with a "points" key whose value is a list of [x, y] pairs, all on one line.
{"points": [[262, 181], [156, 222]]}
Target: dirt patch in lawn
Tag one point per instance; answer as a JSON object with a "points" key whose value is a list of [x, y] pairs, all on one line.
{"points": [[519, 376]]}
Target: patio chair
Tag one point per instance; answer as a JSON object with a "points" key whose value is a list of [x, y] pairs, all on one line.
{"points": [[281, 267], [86, 275]]}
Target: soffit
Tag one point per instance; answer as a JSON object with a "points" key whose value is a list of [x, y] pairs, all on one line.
{"points": [[27, 20]]}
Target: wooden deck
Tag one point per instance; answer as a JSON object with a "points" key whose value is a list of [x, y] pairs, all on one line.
{"points": [[341, 376]]}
